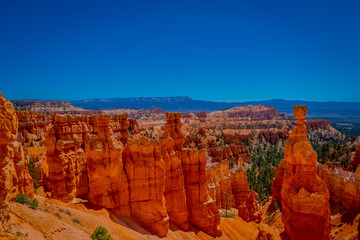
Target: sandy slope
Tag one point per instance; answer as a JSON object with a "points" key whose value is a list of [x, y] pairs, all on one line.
{"points": [[57, 220]]}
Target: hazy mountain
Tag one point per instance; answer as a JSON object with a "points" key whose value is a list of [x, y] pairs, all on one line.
{"points": [[187, 104]]}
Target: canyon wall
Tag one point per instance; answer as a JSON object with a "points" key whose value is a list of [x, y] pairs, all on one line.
{"points": [[14, 173]]}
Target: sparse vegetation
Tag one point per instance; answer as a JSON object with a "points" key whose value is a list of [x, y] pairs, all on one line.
{"points": [[68, 212], [227, 214], [34, 173], [22, 198], [76, 220], [100, 233], [58, 216], [228, 202], [25, 199]]}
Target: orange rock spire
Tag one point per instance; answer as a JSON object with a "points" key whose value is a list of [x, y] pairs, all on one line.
{"points": [[304, 196]]}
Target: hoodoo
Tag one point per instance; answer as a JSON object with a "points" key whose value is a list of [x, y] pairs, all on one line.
{"points": [[304, 196]]}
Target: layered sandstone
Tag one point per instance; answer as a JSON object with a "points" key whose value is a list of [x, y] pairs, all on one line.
{"points": [[203, 212], [175, 193], [156, 182], [304, 196], [219, 180], [230, 152], [145, 171], [344, 186], [278, 182], [246, 201], [14, 174], [66, 157], [107, 182]]}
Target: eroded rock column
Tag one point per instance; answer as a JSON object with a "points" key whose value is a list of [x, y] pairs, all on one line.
{"points": [[304, 196]]}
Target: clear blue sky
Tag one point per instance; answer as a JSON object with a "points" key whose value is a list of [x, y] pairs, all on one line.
{"points": [[208, 50]]}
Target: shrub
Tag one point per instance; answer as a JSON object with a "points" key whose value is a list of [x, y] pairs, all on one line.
{"points": [[76, 220], [25, 199], [100, 233], [22, 198], [227, 214], [34, 203]]}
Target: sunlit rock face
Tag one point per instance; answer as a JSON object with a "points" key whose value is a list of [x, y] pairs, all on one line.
{"points": [[14, 174], [203, 212], [304, 196], [344, 187], [246, 201], [154, 181], [175, 192], [66, 157]]}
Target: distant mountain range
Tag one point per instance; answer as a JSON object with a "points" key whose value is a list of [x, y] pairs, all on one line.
{"points": [[327, 110]]}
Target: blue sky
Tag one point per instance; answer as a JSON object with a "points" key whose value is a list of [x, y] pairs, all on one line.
{"points": [[208, 50]]}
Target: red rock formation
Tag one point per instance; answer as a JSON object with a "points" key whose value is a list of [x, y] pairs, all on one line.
{"points": [[120, 127], [254, 112], [262, 235], [218, 177], [273, 137], [238, 139], [278, 181], [203, 212], [304, 196], [153, 181], [344, 186], [145, 171], [246, 201], [14, 175], [108, 184], [34, 123], [356, 159], [201, 115], [134, 126], [66, 157], [175, 193], [317, 124], [232, 152]]}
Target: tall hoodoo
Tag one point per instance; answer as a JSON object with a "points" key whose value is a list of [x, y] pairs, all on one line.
{"points": [[304, 196], [175, 193]]}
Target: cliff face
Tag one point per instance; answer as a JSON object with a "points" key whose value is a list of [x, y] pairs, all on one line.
{"points": [[14, 174], [32, 125], [278, 182], [145, 171], [107, 182], [203, 212], [232, 152], [246, 201], [219, 180], [66, 157], [175, 193], [153, 181], [304, 196], [344, 187]]}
